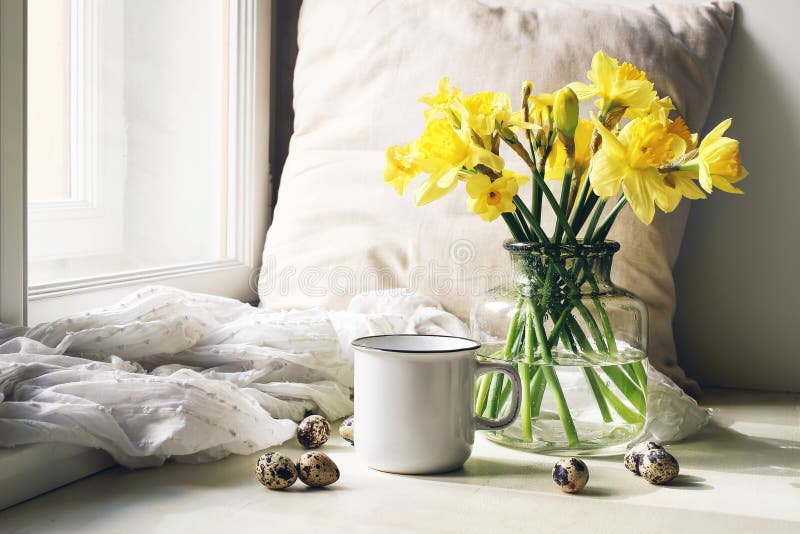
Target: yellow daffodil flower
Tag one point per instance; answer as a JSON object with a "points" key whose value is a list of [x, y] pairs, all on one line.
{"points": [[401, 166], [541, 106], [490, 198], [554, 169], [631, 161], [442, 101], [678, 127], [565, 111], [660, 109], [444, 152], [677, 185], [487, 110], [718, 163], [616, 85]]}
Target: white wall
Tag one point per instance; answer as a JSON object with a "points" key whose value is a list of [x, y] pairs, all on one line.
{"points": [[738, 323]]}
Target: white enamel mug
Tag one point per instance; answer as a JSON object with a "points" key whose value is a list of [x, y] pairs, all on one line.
{"points": [[414, 399]]}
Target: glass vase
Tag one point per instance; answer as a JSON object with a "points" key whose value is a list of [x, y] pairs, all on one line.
{"points": [[579, 344]]}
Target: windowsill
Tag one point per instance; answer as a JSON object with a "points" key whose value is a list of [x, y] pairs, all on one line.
{"points": [[738, 475], [30, 470]]}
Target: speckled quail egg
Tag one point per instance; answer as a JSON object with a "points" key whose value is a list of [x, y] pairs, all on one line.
{"points": [[658, 466], [346, 430], [571, 474], [275, 471], [634, 455], [313, 431], [316, 469]]}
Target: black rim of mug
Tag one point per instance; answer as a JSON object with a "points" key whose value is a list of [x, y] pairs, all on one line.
{"points": [[357, 343]]}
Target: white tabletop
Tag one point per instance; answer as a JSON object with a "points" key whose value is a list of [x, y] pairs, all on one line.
{"points": [[741, 474]]}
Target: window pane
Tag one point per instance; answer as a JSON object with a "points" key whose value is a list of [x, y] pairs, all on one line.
{"points": [[47, 101], [142, 136]]}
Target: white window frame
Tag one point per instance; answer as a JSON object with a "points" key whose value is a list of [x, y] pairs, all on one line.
{"points": [[88, 211], [26, 471], [248, 180]]}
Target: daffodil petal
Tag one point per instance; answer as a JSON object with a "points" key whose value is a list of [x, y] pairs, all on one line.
{"points": [[604, 69], [605, 175], [718, 130], [610, 141], [724, 185], [583, 91], [477, 184], [428, 191], [484, 157], [639, 195], [446, 177], [705, 177], [634, 93]]}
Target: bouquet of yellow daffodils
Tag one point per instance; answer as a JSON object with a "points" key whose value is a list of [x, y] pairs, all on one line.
{"points": [[631, 151]]}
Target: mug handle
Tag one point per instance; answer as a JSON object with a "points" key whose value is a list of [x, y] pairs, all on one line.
{"points": [[484, 423]]}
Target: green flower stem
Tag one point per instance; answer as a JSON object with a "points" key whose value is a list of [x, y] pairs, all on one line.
{"points": [[523, 226], [536, 199], [601, 311], [591, 378], [483, 393], [605, 226], [536, 229], [513, 226], [538, 179], [537, 205], [625, 385], [626, 413], [587, 316], [524, 370], [595, 218], [550, 376], [638, 369], [584, 312], [498, 379], [620, 379], [482, 390], [513, 332], [635, 370], [579, 202], [597, 392], [561, 218], [504, 396], [565, 190], [586, 210], [537, 392], [558, 325], [493, 406], [628, 368], [590, 322]]}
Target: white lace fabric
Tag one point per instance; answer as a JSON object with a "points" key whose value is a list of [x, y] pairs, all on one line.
{"points": [[170, 374]]}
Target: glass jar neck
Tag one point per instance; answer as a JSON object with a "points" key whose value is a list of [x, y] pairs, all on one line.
{"points": [[562, 268]]}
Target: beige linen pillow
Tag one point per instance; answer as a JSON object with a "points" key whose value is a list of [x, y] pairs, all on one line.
{"points": [[338, 229]]}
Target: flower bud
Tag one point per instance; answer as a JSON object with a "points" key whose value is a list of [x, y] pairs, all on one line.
{"points": [[527, 89], [565, 111]]}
